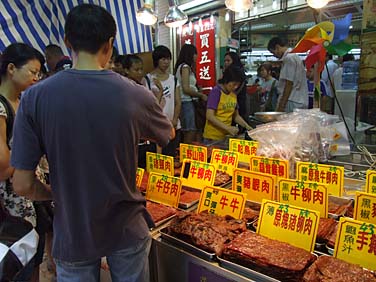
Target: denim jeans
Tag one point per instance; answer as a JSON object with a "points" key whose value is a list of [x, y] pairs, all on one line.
{"points": [[128, 265]]}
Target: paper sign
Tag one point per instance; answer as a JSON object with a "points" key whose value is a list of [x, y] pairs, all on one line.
{"points": [[197, 174], [225, 160], [365, 207], [164, 189], [371, 181], [256, 185], [159, 163], [139, 176], [222, 202], [356, 243], [290, 224], [332, 176], [245, 148], [308, 195], [192, 152], [272, 166]]}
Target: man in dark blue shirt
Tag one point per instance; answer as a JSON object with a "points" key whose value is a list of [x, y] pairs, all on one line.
{"points": [[88, 121]]}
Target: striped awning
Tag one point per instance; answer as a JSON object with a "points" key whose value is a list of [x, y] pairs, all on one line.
{"points": [[41, 22]]}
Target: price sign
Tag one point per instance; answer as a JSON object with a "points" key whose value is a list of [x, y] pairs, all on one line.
{"points": [[289, 224], [309, 195], [245, 148], [331, 176], [365, 207], [371, 181], [159, 163], [272, 166], [197, 174], [356, 242], [225, 160], [256, 185], [139, 176], [192, 152], [164, 189], [222, 202]]}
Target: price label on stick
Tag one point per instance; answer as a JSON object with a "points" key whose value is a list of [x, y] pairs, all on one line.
{"points": [[197, 174], [272, 166], [245, 148], [139, 176], [192, 152], [159, 163], [222, 202], [371, 181], [365, 207], [164, 189], [291, 224], [225, 160]]}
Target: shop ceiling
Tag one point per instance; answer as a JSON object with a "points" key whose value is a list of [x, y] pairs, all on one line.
{"points": [[289, 17]]}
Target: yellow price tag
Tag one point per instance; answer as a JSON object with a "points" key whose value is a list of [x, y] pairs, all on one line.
{"points": [[225, 160], [272, 166], [245, 148], [222, 202], [192, 152], [365, 207], [139, 176], [256, 185], [371, 181], [356, 243], [332, 176], [197, 174], [308, 195], [290, 224], [159, 163], [164, 189]]}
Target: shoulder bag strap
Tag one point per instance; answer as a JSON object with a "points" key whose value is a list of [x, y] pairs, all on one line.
{"points": [[10, 117]]}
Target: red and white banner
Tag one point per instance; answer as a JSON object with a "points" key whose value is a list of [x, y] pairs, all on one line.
{"points": [[205, 64]]}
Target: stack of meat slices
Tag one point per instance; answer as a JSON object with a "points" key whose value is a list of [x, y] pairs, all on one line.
{"points": [[331, 238], [330, 269], [159, 212], [221, 178], [326, 227], [250, 215], [273, 258], [206, 231], [188, 196]]}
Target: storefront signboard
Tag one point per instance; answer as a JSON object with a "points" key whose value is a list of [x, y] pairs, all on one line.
{"points": [[245, 148], [164, 189], [371, 181], [332, 176], [159, 163], [192, 152], [222, 202], [225, 160], [272, 166], [365, 207], [290, 224], [197, 174]]}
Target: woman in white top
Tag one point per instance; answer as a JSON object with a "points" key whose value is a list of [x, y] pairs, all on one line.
{"points": [[184, 72], [165, 87]]}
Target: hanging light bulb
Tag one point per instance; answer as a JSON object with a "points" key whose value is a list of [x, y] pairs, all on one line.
{"points": [[146, 14], [317, 4], [211, 19], [274, 5], [227, 16], [239, 5], [175, 17]]}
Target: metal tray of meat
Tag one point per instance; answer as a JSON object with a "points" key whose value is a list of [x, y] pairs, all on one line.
{"points": [[245, 271], [186, 246], [187, 205], [163, 221], [341, 202]]}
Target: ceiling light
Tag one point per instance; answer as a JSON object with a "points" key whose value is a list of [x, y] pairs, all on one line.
{"points": [[317, 4], [192, 4], [238, 5], [146, 15], [175, 17]]}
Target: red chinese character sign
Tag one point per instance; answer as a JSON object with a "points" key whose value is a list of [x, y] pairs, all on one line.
{"points": [[356, 243], [164, 189], [371, 181], [272, 166], [309, 195], [289, 224], [257, 186], [245, 148], [225, 160], [205, 64], [197, 174], [331, 176], [192, 152], [365, 207], [222, 202], [159, 163]]}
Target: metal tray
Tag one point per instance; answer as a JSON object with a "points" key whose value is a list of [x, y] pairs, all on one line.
{"points": [[329, 250], [247, 272], [187, 246], [163, 221]]}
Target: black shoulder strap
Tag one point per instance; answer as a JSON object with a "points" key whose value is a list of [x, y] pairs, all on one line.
{"points": [[148, 81], [10, 117], [176, 81]]}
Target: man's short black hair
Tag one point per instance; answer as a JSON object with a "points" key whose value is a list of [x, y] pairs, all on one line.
{"points": [[160, 52], [88, 27], [54, 50], [276, 41]]}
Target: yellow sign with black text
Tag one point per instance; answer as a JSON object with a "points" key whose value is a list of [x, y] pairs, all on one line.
{"points": [[192, 152], [164, 189], [245, 148], [371, 181], [272, 166], [365, 207], [159, 163]]}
